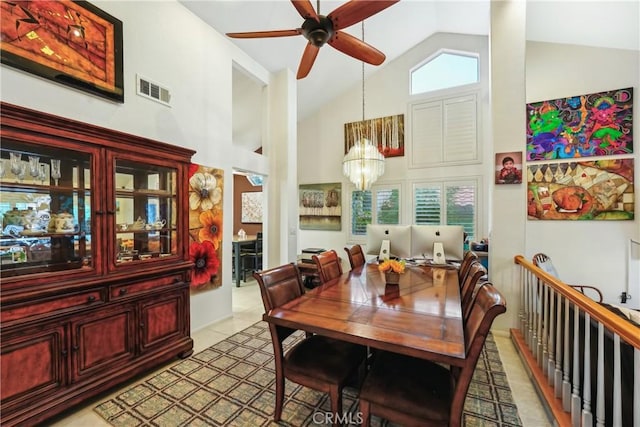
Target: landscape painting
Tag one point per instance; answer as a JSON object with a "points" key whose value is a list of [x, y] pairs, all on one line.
{"points": [[386, 133], [598, 124], [320, 206]]}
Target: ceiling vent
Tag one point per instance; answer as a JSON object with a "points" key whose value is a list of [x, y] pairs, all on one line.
{"points": [[152, 90]]}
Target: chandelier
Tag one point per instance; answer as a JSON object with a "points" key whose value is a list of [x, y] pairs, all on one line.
{"points": [[364, 163]]}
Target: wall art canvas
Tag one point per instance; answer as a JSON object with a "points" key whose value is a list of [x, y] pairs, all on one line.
{"points": [[386, 133], [251, 203], [598, 124], [590, 190], [205, 225], [320, 206], [70, 42], [508, 168]]}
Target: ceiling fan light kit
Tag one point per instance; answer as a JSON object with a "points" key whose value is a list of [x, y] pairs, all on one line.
{"points": [[320, 30]]}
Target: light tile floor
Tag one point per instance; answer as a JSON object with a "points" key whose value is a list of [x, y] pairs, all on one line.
{"points": [[247, 309]]}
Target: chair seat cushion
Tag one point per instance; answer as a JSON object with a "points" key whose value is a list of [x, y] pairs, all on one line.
{"points": [[324, 358], [409, 385]]}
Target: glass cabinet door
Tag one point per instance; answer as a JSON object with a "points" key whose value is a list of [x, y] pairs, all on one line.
{"points": [[145, 211], [45, 207]]}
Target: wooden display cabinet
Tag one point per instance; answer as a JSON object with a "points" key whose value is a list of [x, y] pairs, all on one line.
{"points": [[94, 262]]}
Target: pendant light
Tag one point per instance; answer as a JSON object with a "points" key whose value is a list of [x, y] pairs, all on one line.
{"points": [[364, 163]]}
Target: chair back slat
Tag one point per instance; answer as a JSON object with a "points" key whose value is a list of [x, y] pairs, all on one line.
{"points": [[468, 259], [356, 256], [329, 265]]}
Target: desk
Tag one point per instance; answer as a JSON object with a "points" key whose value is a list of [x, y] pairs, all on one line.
{"points": [[420, 317], [238, 243]]}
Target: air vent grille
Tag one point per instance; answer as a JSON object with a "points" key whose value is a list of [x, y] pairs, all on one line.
{"points": [[154, 91]]}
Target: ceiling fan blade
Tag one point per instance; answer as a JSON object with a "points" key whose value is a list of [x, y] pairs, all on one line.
{"points": [[308, 58], [356, 48], [356, 11], [258, 34], [305, 9]]}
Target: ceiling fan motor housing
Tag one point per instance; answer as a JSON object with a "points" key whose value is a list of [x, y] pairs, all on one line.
{"points": [[318, 32]]}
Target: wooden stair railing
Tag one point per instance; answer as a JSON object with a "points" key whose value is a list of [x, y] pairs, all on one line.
{"points": [[586, 378]]}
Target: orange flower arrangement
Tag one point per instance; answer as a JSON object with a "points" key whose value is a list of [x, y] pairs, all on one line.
{"points": [[392, 265]]}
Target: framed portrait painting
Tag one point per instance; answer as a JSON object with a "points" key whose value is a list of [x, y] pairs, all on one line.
{"points": [[70, 42]]}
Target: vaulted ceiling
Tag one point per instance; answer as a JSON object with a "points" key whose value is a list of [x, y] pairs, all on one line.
{"points": [[403, 25]]}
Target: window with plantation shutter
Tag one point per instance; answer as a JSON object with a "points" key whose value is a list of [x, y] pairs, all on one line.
{"points": [[360, 212], [447, 202], [444, 131], [380, 205]]}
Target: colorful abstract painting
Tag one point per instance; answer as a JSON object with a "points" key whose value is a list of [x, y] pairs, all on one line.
{"points": [[591, 190], [205, 225], [386, 133], [599, 124]]}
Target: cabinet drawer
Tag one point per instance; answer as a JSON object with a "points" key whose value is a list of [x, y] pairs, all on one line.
{"points": [[79, 300], [133, 288]]}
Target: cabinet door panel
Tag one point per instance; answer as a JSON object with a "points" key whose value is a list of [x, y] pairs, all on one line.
{"points": [[32, 363], [102, 341], [162, 319]]}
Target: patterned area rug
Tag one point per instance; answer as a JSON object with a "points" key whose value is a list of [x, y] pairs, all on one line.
{"points": [[232, 384]]}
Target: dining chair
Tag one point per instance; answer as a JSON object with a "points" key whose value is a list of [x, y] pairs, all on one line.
{"points": [[544, 262], [477, 272], [417, 392], [251, 257], [356, 256], [328, 264], [469, 257], [317, 362]]}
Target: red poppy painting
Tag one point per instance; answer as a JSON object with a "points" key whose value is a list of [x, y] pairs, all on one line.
{"points": [[205, 225]]}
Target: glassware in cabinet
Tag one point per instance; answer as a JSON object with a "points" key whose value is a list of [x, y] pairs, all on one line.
{"points": [[145, 220], [45, 210]]}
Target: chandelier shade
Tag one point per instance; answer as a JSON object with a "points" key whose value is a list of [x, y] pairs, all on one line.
{"points": [[363, 164]]}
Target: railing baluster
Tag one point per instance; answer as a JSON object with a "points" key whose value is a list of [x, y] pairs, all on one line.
{"points": [[600, 386], [523, 301], [587, 416], [617, 382], [589, 381], [542, 349], [531, 315], [575, 393], [551, 338], [558, 374], [566, 383]]}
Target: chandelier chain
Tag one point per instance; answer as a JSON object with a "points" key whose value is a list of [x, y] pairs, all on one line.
{"points": [[363, 75]]}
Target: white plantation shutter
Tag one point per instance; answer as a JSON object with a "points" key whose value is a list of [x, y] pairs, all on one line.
{"points": [[380, 205], [426, 128], [460, 129], [360, 212], [428, 204], [448, 203], [444, 131]]}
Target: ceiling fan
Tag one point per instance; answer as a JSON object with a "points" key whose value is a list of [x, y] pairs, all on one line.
{"points": [[320, 29]]}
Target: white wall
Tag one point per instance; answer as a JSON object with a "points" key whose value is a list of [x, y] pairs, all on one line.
{"points": [[586, 252], [166, 43]]}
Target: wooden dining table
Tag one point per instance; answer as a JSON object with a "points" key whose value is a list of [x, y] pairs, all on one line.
{"points": [[420, 317]]}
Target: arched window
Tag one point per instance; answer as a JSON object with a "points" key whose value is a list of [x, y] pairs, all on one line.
{"points": [[444, 70]]}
